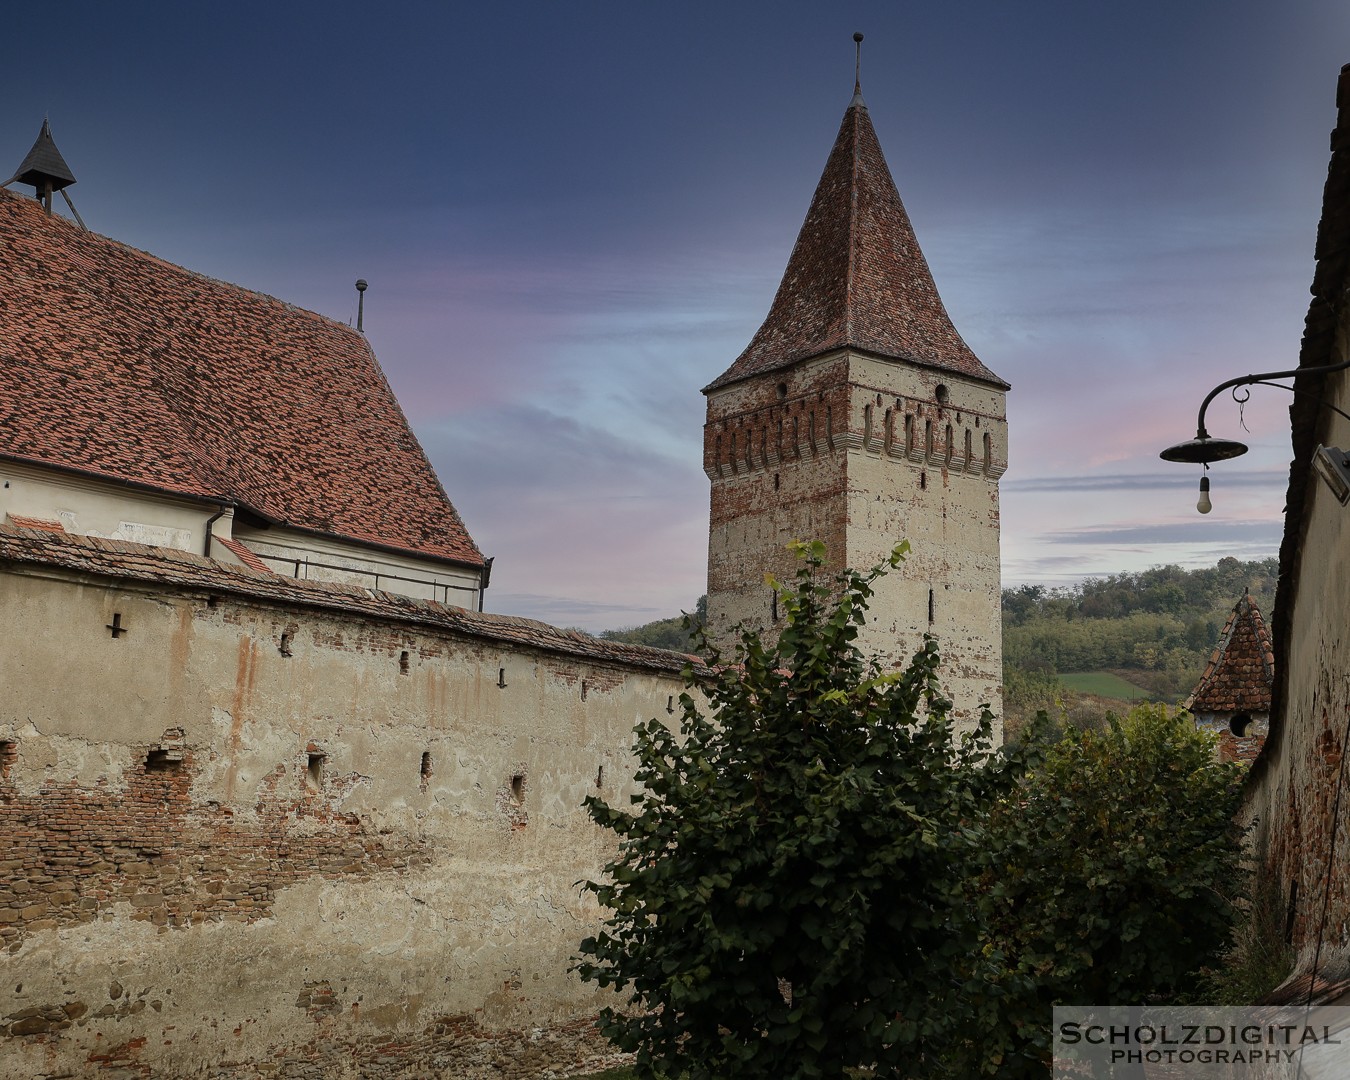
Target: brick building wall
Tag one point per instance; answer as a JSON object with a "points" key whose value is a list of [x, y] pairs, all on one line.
{"points": [[863, 453]]}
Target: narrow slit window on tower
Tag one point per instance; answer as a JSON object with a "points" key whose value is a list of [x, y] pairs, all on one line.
{"points": [[403, 662], [776, 482], [583, 689], [285, 646], [600, 776], [670, 703], [947, 449], [988, 452], [773, 603], [923, 480], [518, 788], [424, 771], [501, 677], [932, 607]]}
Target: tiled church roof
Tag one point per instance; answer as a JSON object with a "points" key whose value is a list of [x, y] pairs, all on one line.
{"points": [[120, 365], [1240, 671], [856, 276]]}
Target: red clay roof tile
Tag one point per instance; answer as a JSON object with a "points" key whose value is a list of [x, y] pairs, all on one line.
{"points": [[118, 364], [243, 553], [856, 277], [45, 524]]}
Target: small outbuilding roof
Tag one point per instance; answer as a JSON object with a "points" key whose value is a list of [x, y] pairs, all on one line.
{"points": [[1241, 670]]}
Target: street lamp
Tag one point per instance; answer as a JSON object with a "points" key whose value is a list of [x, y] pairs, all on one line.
{"points": [[1204, 448]]}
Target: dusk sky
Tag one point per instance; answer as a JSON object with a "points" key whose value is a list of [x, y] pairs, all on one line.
{"points": [[573, 216]]}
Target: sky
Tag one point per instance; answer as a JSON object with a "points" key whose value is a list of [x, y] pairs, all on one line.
{"points": [[573, 216]]}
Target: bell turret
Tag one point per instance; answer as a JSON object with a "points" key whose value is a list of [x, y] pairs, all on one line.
{"points": [[46, 171]]}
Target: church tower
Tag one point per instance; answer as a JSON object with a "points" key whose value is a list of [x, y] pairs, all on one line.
{"points": [[858, 416]]}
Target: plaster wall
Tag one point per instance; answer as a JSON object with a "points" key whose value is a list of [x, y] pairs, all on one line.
{"points": [[245, 839], [87, 506], [1298, 802], [313, 558], [91, 507]]}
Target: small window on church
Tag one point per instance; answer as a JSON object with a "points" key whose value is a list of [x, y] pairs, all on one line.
{"points": [[941, 394], [782, 391]]}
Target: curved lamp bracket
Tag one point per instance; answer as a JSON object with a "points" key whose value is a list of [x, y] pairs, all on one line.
{"points": [[1204, 449]]}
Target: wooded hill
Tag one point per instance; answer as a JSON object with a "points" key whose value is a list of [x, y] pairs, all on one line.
{"points": [[1154, 630]]}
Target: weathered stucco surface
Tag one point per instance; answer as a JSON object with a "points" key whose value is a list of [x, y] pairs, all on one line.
{"points": [[1297, 794], [248, 839], [863, 453]]}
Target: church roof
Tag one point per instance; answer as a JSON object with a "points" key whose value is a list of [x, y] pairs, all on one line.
{"points": [[119, 365], [1240, 671], [856, 277]]}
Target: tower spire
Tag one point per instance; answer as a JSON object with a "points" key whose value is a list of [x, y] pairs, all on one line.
{"points": [[856, 277]]}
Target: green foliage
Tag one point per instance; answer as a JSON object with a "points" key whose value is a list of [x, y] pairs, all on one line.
{"points": [[790, 897], [676, 634], [818, 880], [1258, 958], [1112, 875]]}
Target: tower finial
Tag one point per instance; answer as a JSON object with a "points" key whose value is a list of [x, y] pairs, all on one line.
{"points": [[857, 63]]}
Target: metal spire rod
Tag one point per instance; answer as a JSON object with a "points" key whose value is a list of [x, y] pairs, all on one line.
{"points": [[857, 63]]}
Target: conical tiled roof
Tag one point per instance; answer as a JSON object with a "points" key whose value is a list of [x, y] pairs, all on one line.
{"points": [[44, 162], [1240, 672], [856, 277]]}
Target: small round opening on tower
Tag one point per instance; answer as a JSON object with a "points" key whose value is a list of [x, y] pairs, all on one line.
{"points": [[1239, 724]]}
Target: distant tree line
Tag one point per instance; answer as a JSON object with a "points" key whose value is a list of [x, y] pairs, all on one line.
{"points": [[1155, 628], [663, 633]]}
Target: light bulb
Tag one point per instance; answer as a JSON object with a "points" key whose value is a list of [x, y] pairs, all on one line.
{"points": [[1203, 504]]}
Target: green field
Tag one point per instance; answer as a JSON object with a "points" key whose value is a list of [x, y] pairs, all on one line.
{"points": [[1104, 684]]}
